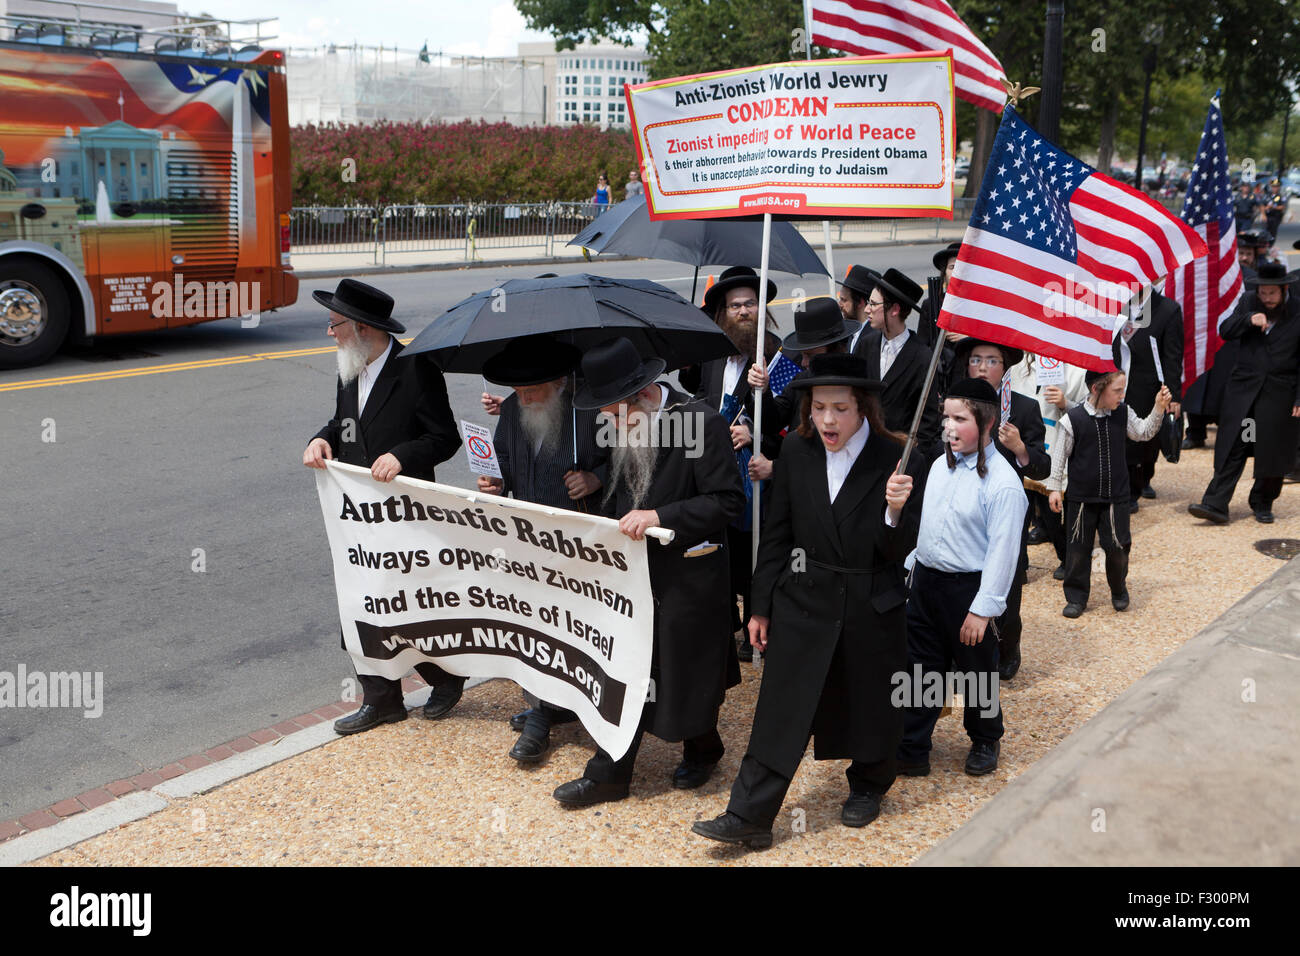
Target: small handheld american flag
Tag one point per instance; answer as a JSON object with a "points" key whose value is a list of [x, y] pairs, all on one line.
{"points": [[780, 372]]}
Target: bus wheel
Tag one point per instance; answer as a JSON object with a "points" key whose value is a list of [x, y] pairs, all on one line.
{"points": [[33, 313]]}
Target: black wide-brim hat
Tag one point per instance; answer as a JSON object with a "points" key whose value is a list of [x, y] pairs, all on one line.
{"points": [[364, 303], [1272, 273], [976, 389], [531, 360], [1250, 239], [614, 371], [962, 350], [835, 368], [940, 258], [861, 280], [734, 278], [900, 287], [820, 323]]}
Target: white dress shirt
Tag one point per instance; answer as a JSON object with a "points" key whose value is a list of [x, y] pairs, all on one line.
{"points": [[735, 368], [839, 463], [366, 380], [889, 349]]}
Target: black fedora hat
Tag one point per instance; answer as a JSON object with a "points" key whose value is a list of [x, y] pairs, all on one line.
{"points": [[899, 287], [1091, 376], [819, 323], [976, 389], [1272, 273], [962, 350], [364, 303], [1296, 244], [861, 280], [834, 368], [940, 258], [1250, 239], [531, 360], [734, 278], [614, 371]]}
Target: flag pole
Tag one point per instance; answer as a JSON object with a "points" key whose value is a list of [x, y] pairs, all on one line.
{"points": [[925, 397], [759, 358], [826, 223]]}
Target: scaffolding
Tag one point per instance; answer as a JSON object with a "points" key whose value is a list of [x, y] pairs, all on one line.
{"points": [[364, 84]]}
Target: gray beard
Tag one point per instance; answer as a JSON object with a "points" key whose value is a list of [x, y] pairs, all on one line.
{"points": [[352, 359], [544, 421], [633, 467]]}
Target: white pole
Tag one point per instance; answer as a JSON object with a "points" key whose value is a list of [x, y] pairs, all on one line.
{"points": [[760, 359], [826, 223]]}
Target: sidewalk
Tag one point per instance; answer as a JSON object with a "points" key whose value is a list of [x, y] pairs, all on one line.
{"points": [[326, 265], [1183, 768]]}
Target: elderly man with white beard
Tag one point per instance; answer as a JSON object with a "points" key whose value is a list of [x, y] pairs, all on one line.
{"points": [[542, 462], [683, 479], [391, 415]]}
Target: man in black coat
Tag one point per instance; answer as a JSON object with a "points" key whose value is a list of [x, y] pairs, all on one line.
{"points": [[927, 324], [1020, 441], [1160, 320], [896, 358], [1261, 408], [391, 415], [689, 485]]}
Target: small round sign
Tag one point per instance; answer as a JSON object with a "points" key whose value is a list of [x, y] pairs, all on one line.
{"points": [[480, 448]]}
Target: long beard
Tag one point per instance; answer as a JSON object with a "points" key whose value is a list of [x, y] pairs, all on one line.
{"points": [[351, 359], [744, 335], [634, 468], [544, 421]]}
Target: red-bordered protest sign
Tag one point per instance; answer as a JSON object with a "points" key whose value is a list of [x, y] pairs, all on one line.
{"points": [[853, 136]]}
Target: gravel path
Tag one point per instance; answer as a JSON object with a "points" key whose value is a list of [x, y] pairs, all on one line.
{"points": [[419, 793]]}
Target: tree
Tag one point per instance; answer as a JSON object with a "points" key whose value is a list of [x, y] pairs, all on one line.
{"points": [[574, 21]]}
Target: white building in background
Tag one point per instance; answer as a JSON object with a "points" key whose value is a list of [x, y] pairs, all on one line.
{"points": [[585, 84]]}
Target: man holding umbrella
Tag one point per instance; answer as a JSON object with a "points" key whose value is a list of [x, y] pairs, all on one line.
{"points": [[391, 415], [695, 492], [548, 455]]}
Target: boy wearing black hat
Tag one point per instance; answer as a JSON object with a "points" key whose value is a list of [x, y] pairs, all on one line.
{"points": [[391, 415], [1091, 446], [972, 520]]}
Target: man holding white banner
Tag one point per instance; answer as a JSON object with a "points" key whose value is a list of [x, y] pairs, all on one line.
{"points": [[672, 467]]}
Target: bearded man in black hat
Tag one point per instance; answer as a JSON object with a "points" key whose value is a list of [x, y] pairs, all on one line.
{"points": [[896, 358], [391, 415], [692, 488], [1261, 406], [549, 456], [855, 291]]}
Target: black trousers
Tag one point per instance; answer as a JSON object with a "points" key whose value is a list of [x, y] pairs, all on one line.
{"points": [[386, 694], [1219, 492], [1084, 520], [1010, 625], [739, 545], [704, 749], [936, 610], [1197, 425], [542, 715], [1051, 523], [759, 791], [1142, 458]]}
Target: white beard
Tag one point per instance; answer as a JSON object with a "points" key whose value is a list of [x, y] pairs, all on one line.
{"points": [[352, 359], [633, 463], [544, 420]]}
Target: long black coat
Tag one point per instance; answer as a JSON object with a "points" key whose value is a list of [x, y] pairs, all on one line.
{"points": [[518, 462], [901, 388], [1205, 395], [694, 658], [835, 639], [1166, 329], [1264, 384], [407, 415]]}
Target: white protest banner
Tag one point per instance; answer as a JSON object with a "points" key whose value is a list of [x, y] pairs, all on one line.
{"points": [[858, 136], [1049, 371], [479, 449], [483, 586]]}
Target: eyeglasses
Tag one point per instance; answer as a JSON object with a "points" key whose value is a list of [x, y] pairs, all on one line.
{"points": [[875, 303], [976, 361], [335, 325], [742, 306]]}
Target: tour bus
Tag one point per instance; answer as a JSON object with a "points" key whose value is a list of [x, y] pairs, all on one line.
{"points": [[144, 178]]}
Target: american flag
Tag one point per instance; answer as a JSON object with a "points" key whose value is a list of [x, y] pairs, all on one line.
{"points": [[1054, 251], [905, 26], [1208, 289], [780, 372]]}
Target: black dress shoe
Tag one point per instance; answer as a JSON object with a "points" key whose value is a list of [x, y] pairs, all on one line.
{"points": [[730, 828], [920, 769], [1008, 668], [1206, 513], [1059, 573], [586, 793], [1148, 492], [518, 720], [529, 749], [983, 758], [690, 775], [1119, 602], [557, 717], [443, 698], [1264, 517], [368, 716], [1072, 610], [1190, 442], [1037, 535], [745, 651], [860, 809], [1133, 506]]}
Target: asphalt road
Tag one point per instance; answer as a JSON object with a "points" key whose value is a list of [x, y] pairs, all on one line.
{"points": [[151, 472]]}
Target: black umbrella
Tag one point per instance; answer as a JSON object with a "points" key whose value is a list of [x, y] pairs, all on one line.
{"points": [[627, 229], [582, 309]]}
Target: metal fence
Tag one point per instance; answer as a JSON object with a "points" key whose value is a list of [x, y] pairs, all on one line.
{"points": [[544, 227]]}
